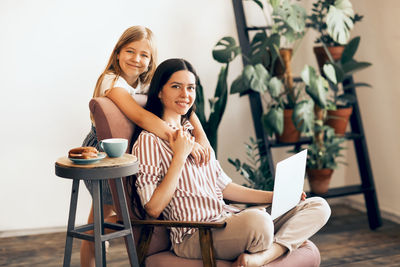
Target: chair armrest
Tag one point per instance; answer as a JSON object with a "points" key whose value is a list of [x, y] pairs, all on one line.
{"points": [[191, 224], [227, 201]]}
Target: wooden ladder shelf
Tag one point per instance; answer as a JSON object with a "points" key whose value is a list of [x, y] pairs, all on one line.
{"points": [[356, 135]]}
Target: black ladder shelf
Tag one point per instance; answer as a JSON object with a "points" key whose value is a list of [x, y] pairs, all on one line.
{"points": [[367, 186]]}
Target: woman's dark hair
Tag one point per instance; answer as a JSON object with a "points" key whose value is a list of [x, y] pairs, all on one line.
{"points": [[161, 76]]}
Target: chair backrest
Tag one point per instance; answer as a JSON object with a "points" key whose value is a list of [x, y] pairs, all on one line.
{"points": [[112, 123]]}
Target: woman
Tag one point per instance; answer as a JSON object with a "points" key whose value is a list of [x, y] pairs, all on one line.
{"points": [[169, 183], [128, 72]]}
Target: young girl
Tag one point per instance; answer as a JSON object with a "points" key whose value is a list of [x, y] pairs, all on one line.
{"points": [[129, 71], [169, 183]]}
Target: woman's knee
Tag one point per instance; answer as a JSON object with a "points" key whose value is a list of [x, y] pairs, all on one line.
{"points": [[259, 224], [321, 206]]}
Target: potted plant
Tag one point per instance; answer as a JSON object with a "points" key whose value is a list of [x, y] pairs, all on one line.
{"points": [[224, 52], [322, 157], [337, 73], [333, 20], [256, 171], [325, 146], [275, 52], [258, 79]]}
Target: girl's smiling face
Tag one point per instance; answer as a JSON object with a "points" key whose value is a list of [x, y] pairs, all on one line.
{"points": [[134, 59], [178, 94]]}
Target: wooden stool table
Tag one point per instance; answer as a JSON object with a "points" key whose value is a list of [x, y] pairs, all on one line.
{"points": [[107, 168]]}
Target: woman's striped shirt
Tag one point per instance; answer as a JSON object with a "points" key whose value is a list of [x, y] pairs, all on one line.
{"points": [[198, 196]]}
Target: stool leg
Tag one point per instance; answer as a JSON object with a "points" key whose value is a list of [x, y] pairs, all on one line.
{"points": [[71, 222], [99, 248], [127, 223]]}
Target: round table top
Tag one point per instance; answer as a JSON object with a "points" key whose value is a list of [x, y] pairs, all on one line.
{"points": [[106, 168]]}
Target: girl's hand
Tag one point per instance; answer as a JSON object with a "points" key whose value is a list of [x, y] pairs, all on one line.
{"points": [[181, 144], [303, 196], [200, 154]]}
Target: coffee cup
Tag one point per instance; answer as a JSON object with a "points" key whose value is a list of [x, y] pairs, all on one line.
{"points": [[114, 147]]}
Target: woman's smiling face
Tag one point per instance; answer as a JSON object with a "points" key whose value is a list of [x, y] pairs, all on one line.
{"points": [[179, 93]]}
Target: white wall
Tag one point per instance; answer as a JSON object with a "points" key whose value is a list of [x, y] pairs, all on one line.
{"points": [[51, 53]]}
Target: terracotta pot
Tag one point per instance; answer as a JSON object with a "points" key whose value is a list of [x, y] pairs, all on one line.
{"points": [[290, 133], [319, 180], [322, 57], [338, 119]]}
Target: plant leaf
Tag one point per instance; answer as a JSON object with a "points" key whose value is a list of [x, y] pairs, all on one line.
{"points": [[289, 20], [259, 78], [339, 22], [330, 73], [200, 104], [275, 87], [347, 99], [303, 116], [238, 86], [273, 121], [316, 86], [259, 3], [307, 74], [354, 66], [274, 3], [356, 85], [225, 50], [350, 50]]}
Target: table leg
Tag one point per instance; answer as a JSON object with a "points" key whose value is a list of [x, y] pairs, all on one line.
{"points": [[71, 222], [127, 223], [99, 248]]}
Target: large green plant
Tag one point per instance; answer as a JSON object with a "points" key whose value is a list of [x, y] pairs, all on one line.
{"points": [[256, 170], [333, 20], [224, 52], [258, 79], [289, 20], [337, 72], [325, 147], [287, 29]]}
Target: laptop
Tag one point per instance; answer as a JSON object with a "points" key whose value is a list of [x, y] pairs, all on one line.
{"points": [[289, 182]]}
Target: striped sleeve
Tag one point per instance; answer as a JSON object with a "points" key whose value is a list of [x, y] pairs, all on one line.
{"points": [[149, 175], [222, 178]]}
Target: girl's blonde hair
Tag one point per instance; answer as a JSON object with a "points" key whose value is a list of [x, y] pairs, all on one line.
{"points": [[132, 34]]}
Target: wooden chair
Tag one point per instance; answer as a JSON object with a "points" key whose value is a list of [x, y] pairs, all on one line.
{"points": [[151, 236]]}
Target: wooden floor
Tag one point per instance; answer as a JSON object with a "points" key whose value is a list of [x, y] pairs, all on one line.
{"points": [[345, 241]]}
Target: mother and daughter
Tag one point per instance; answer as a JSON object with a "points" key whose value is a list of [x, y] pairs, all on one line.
{"points": [[180, 178]]}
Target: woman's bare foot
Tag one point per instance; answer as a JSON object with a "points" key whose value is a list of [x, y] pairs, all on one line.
{"points": [[260, 258]]}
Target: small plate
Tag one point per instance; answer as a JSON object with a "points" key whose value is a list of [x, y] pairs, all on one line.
{"points": [[89, 161]]}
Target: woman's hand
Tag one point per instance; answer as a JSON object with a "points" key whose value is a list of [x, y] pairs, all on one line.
{"points": [[181, 143], [303, 196], [200, 154]]}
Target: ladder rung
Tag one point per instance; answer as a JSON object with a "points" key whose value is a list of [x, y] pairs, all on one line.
{"points": [[256, 28], [344, 191]]}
